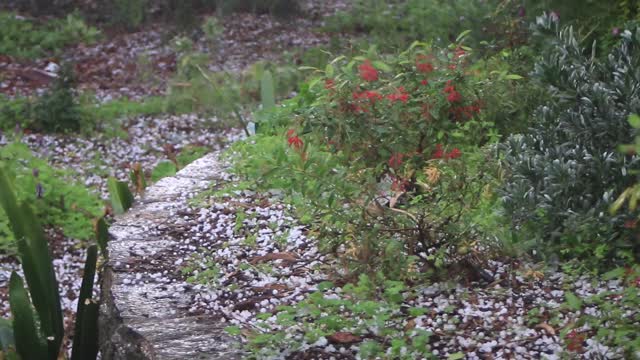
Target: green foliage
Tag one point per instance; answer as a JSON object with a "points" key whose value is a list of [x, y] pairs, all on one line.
{"points": [[566, 172], [267, 91], [40, 337], [169, 168], [399, 23], [195, 89], [45, 335], [213, 30], [56, 199], [354, 315], [14, 113], [128, 14], [30, 344], [280, 8], [7, 341], [25, 38], [57, 109], [85, 344], [163, 169], [120, 195], [615, 315]]}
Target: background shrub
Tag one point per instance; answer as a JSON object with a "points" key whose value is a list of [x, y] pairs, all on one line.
{"points": [[56, 199], [566, 171], [26, 38], [57, 110]]}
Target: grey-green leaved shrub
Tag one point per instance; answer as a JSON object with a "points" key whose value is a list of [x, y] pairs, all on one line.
{"points": [[566, 171]]}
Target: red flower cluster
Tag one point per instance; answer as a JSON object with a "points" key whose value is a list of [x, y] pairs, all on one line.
{"points": [[453, 96], [368, 72], [439, 153], [370, 95], [396, 160], [423, 65], [401, 95], [465, 112], [294, 140], [454, 154], [574, 341]]}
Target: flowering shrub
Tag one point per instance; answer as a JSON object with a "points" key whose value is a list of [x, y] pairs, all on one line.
{"points": [[384, 159]]}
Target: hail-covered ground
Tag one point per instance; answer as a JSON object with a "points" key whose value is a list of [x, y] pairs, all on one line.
{"points": [[247, 255]]}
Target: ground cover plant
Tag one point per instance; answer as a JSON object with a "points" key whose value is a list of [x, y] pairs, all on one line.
{"points": [[25, 38], [58, 201]]}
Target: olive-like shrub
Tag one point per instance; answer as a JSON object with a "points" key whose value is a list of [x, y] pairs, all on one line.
{"points": [[567, 171]]}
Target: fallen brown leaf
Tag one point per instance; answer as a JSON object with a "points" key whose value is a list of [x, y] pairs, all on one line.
{"points": [[344, 338], [286, 256], [546, 327]]}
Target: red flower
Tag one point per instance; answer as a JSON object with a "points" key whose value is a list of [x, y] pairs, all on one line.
{"points": [[574, 341], [459, 53], [454, 154], [401, 95], [296, 142], [329, 84], [290, 132], [424, 67], [438, 153], [424, 82], [454, 96], [368, 72], [371, 95], [395, 160], [449, 87]]}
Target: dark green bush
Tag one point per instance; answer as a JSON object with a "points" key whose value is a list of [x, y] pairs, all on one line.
{"points": [[399, 23], [25, 38], [57, 110], [566, 171], [128, 14]]}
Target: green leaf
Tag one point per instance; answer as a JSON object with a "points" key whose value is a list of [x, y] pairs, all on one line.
{"points": [[88, 335], [85, 345], [613, 274], [267, 91], [573, 301], [6, 335], [233, 330], [513, 77], [634, 120], [36, 263], [462, 35], [328, 70], [163, 169], [456, 356], [121, 197], [102, 234], [30, 343], [382, 66]]}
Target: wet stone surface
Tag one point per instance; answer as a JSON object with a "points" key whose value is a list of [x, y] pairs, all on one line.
{"points": [[145, 302]]}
